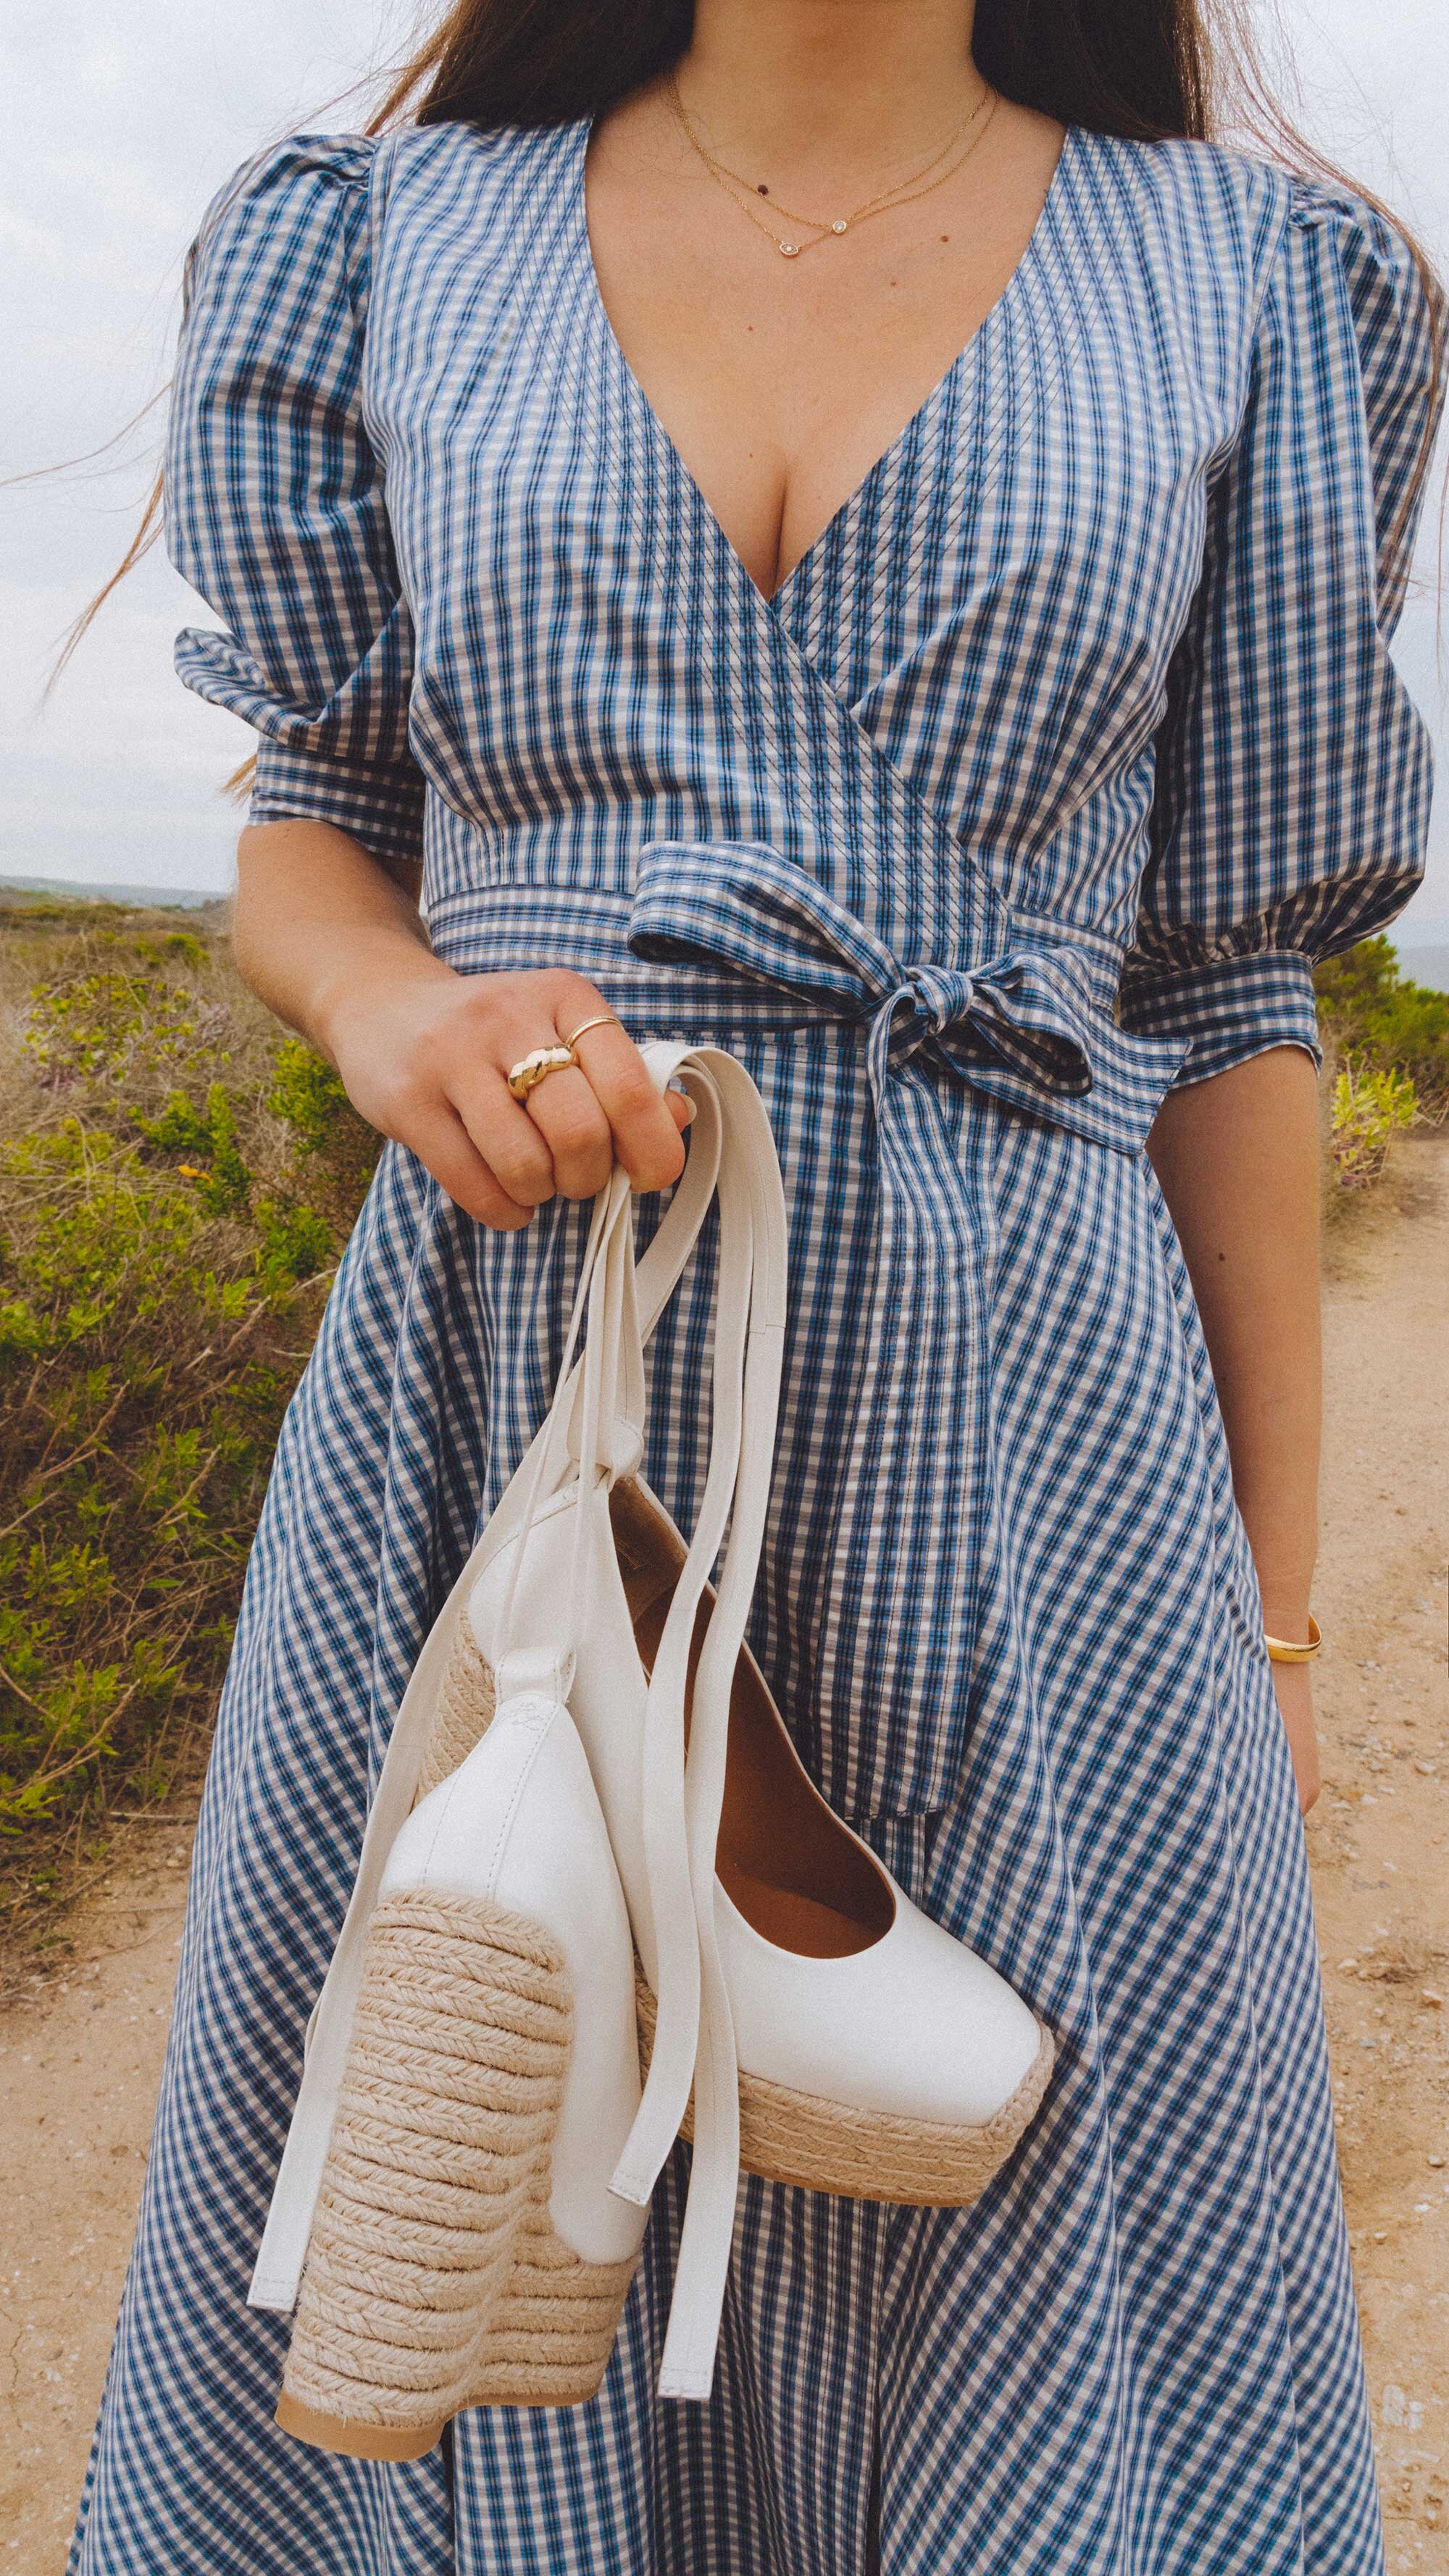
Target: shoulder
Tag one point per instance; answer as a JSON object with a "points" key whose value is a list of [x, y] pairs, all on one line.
{"points": [[1214, 214], [1396, 303], [305, 170], [1263, 216], [441, 174], [343, 176], [299, 210], [1270, 253]]}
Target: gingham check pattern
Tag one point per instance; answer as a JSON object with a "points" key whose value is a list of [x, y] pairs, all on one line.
{"points": [[1092, 667]]}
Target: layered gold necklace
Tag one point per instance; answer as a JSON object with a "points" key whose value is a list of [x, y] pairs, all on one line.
{"points": [[957, 149]]}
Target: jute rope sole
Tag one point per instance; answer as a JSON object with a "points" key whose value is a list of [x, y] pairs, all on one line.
{"points": [[856, 2154], [434, 2277], [466, 1703]]}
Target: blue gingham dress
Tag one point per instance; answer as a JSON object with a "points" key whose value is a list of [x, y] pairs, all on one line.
{"points": [[1035, 789]]}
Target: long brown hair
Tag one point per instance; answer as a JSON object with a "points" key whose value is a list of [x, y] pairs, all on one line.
{"points": [[1142, 68], [1145, 69]]}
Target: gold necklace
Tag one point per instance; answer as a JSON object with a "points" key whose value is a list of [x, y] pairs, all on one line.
{"points": [[727, 180], [863, 214], [815, 223]]}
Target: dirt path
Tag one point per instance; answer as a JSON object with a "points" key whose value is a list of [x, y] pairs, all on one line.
{"points": [[80, 2060], [79, 2066], [1377, 1838]]}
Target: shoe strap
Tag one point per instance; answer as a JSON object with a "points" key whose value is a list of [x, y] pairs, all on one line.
{"points": [[694, 2028]]}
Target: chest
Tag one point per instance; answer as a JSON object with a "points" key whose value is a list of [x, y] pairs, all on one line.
{"points": [[781, 379], [993, 588]]}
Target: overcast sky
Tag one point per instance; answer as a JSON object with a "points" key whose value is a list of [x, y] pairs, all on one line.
{"points": [[118, 127]]}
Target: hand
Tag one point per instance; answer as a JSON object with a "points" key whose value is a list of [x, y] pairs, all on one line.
{"points": [[1294, 1686], [424, 1054]]}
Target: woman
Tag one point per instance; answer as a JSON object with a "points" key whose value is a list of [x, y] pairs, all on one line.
{"points": [[935, 646]]}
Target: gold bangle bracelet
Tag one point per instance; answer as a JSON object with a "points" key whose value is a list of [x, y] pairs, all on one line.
{"points": [[1282, 1651]]}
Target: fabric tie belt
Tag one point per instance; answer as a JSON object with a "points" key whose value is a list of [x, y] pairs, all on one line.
{"points": [[912, 1494]]}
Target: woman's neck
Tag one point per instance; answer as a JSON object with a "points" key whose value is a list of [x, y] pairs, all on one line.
{"points": [[841, 81]]}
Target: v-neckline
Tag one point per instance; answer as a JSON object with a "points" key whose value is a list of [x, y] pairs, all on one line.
{"points": [[939, 392]]}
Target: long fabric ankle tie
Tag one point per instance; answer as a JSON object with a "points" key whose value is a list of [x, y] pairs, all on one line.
{"points": [[694, 2030]]}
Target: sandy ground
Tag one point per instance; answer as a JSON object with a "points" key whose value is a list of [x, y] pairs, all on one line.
{"points": [[1377, 1837], [81, 2056]]}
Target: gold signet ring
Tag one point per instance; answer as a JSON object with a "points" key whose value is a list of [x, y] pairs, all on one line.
{"points": [[536, 1067]]}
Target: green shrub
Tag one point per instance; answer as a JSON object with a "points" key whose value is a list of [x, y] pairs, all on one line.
{"points": [[91, 1029], [1380, 1020], [296, 1243], [308, 1098], [223, 1181], [175, 1188], [1369, 1109]]}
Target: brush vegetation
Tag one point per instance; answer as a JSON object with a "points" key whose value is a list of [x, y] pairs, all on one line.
{"points": [[1386, 1039], [177, 1181]]}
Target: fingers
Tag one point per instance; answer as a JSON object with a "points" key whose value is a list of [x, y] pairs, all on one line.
{"points": [[509, 1141], [501, 1158], [644, 1128], [603, 1109], [441, 1141], [564, 1111]]}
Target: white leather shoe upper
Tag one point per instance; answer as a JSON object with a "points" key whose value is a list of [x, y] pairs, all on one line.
{"points": [[519, 1823], [917, 2025], [609, 1687]]}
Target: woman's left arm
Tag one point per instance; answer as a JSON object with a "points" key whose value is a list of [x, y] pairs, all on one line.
{"points": [[1238, 1157]]}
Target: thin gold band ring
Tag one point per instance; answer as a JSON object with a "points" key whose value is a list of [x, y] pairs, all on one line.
{"points": [[600, 1020]]}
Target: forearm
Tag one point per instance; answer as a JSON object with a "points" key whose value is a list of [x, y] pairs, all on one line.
{"points": [[316, 918], [1238, 1160]]}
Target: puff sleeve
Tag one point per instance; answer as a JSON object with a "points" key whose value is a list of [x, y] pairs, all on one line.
{"points": [[1293, 774], [274, 500]]}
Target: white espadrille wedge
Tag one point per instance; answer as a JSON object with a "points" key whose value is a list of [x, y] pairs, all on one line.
{"points": [[465, 2243], [800, 2015], [879, 2057]]}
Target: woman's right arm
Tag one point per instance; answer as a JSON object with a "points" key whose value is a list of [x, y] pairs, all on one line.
{"points": [[276, 514], [334, 943]]}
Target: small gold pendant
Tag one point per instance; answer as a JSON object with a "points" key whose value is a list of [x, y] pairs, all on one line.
{"points": [[789, 250], [840, 227]]}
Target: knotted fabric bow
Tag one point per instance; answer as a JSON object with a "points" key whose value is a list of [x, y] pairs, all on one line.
{"points": [[911, 1489]]}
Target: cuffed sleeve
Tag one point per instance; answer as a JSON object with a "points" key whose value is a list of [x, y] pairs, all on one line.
{"points": [[1293, 773], [274, 500]]}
